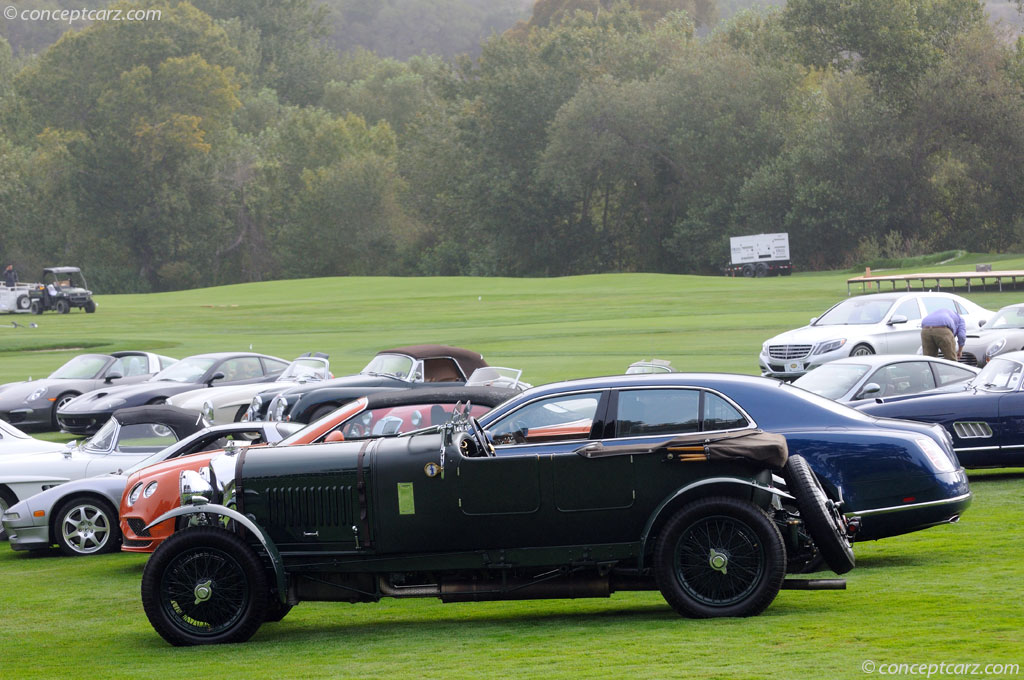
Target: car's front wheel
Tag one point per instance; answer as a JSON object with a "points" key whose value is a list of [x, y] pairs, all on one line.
{"points": [[719, 556], [62, 306], [862, 350], [86, 526], [204, 586]]}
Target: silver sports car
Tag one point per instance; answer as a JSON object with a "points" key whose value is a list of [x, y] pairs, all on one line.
{"points": [[80, 517], [856, 379]]}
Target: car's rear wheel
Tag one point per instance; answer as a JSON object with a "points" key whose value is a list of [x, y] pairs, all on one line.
{"points": [[821, 516], [86, 526], [719, 556], [862, 350], [748, 270], [204, 586], [761, 270], [23, 302]]}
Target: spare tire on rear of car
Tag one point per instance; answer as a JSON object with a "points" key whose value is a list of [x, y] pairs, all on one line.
{"points": [[820, 514]]}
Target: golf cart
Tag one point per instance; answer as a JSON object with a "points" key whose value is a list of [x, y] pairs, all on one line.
{"points": [[61, 289]]}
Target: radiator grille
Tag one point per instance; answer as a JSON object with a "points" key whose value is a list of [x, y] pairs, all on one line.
{"points": [[972, 430], [138, 526], [308, 506], [969, 359], [786, 352]]}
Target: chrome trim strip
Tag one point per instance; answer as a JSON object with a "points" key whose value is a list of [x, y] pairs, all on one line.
{"points": [[909, 506], [976, 448]]}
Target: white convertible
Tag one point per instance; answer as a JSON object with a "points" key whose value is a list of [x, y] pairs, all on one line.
{"points": [[14, 441], [229, 403]]}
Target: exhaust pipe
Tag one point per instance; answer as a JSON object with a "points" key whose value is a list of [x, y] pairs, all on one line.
{"points": [[814, 584]]}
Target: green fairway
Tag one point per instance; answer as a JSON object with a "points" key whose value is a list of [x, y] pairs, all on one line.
{"points": [[951, 594]]}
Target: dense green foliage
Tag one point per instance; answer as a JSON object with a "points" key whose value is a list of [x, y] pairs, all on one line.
{"points": [[948, 594], [229, 141]]}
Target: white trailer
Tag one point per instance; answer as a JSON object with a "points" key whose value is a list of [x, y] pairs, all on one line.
{"points": [[759, 255], [15, 299]]}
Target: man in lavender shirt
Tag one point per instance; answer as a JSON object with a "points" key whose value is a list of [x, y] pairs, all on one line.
{"points": [[937, 332]]}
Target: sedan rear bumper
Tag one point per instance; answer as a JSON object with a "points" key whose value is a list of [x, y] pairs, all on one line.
{"points": [[881, 522]]}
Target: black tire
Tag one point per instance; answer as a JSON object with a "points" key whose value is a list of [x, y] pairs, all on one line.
{"points": [[276, 610], [58, 404], [761, 270], [822, 518], [862, 350], [693, 570], [748, 270], [23, 302], [89, 306], [86, 526], [204, 586], [36, 307], [7, 499], [241, 412], [62, 306]]}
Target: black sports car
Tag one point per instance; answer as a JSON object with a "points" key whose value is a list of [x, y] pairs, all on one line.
{"points": [[33, 404], [85, 414]]}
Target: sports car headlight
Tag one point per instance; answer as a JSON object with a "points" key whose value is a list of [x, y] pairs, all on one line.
{"points": [[936, 455], [416, 418], [830, 346], [134, 495], [11, 516], [996, 347], [149, 490], [37, 394], [207, 410], [764, 348], [278, 407]]}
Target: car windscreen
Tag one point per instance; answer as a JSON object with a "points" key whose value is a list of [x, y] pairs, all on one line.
{"points": [[186, 370], [395, 365], [82, 366], [102, 440], [305, 369], [999, 375], [858, 311], [1011, 317], [832, 380]]}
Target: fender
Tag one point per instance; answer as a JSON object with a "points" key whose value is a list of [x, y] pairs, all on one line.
{"points": [[645, 536], [213, 509]]}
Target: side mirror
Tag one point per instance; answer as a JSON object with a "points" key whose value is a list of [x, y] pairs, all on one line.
{"points": [[335, 436], [896, 319], [112, 377], [869, 390], [219, 375]]}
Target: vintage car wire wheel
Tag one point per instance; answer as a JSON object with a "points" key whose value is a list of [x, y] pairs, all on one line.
{"points": [[86, 526], [204, 586], [822, 517], [719, 556]]}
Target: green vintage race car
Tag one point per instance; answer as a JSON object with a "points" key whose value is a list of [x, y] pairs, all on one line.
{"points": [[438, 514]]}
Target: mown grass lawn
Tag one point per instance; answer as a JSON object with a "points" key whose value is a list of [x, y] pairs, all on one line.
{"points": [[949, 594]]}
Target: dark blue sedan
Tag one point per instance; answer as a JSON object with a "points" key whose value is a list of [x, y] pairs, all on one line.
{"points": [[985, 419], [898, 476]]}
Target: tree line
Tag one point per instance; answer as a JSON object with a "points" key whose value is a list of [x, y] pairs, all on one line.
{"points": [[230, 141]]}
